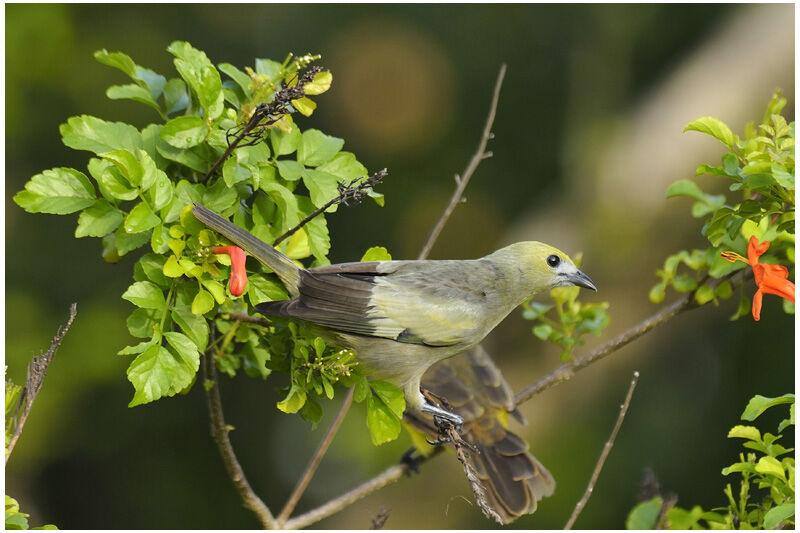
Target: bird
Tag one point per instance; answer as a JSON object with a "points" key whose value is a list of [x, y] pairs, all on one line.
{"points": [[475, 389], [401, 317]]}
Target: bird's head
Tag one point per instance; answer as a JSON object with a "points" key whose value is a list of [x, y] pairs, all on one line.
{"points": [[545, 267]]}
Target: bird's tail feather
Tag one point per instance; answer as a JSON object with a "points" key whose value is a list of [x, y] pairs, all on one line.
{"points": [[286, 270]]}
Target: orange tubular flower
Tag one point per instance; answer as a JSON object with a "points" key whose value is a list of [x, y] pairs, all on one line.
{"points": [[238, 280], [770, 279]]}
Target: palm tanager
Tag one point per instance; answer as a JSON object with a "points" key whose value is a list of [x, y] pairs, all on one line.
{"points": [[400, 317]]}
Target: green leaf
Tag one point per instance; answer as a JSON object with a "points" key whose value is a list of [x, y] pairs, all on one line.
{"points": [[284, 143], [150, 267], [294, 401], [704, 294], [724, 290], [319, 240], [142, 323], [284, 199], [344, 166], [95, 135], [202, 303], [745, 432], [176, 97], [185, 348], [778, 514], [57, 191], [162, 191], [714, 127], [216, 289], [361, 390], [98, 220], [145, 294], [305, 106], [289, 170], [110, 180], [133, 92], [543, 331], [233, 171], [758, 404], [391, 395], [241, 78], [220, 198], [193, 326], [686, 188], [384, 426], [264, 289], [644, 515], [157, 373], [145, 78], [770, 466], [316, 148], [730, 164], [376, 253], [140, 219], [185, 131], [759, 181], [322, 187], [311, 412], [321, 83], [126, 242]]}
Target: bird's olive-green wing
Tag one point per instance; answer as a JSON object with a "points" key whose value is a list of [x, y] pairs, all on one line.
{"points": [[408, 301]]}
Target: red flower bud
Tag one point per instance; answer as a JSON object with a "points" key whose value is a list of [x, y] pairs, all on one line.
{"points": [[238, 281]]}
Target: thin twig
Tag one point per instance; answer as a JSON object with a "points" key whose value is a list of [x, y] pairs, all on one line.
{"points": [[475, 484], [355, 191], [243, 317], [313, 464], [37, 369], [603, 455], [387, 477], [219, 431], [379, 520], [265, 115], [463, 180]]}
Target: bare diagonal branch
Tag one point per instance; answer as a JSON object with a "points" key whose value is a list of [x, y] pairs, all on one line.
{"points": [[37, 369]]}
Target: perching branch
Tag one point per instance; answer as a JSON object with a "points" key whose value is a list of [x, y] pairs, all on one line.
{"points": [[313, 464], [219, 431], [603, 455], [37, 369], [263, 116], [567, 370], [463, 180], [475, 483]]}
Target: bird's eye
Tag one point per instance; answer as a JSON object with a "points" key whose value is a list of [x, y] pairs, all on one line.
{"points": [[553, 260]]}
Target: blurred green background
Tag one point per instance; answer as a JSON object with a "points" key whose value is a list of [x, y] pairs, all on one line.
{"points": [[587, 138]]}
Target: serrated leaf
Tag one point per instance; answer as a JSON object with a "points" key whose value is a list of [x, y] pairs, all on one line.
{"points": [[383, 425], [146, 295], [778, 514], [193, 326], [142, 323], [745, 432], [242, 79], [376, 253], [133, 92], [294, 401], [316, 148], [57, 191], [264, 289], [185, 131], [322, 187], [361, 390], [185, 349], [110, 180], [285, 200], [157, 373], [126, 242], [284, 143], [714, 127], [758, 404], [344, 166], [98, 220], [99, 136], [391, 395], [770, 466], [140, 219], [290, 170], [202, 303]]}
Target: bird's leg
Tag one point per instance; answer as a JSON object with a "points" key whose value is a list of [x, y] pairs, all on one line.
{"points": [[412, 461]]}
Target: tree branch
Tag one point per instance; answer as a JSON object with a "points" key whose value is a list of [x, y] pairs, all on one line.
{"points": [[567, 370], [603, 455], [219, 431], [37, 369], [313, 464], [463, 180]]}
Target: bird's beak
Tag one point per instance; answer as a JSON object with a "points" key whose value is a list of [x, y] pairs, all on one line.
{"points": [[581, 280]]}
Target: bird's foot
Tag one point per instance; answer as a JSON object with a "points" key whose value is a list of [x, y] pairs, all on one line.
{"points": [[411, 461], [445, 421]]}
